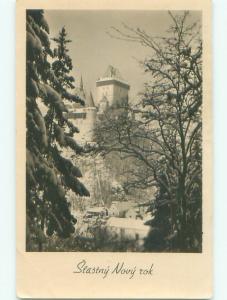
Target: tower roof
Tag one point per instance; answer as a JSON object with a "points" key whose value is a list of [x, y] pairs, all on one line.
{"points": [[88, 98], [113, 72], [89, 102], [112, 76], [80, 91], [81, 83]]}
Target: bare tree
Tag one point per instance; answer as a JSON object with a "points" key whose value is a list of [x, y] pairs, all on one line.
{"points": [[162, 134]]}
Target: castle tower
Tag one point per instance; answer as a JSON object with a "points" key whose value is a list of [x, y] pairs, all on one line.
{"points": [[111, 89], [91, 112]]}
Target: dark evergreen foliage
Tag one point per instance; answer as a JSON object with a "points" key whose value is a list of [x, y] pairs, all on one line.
{"points": [[48, 174]]}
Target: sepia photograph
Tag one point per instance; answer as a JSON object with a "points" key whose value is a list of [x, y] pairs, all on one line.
{"points": [[114, 149], [114, 131]]}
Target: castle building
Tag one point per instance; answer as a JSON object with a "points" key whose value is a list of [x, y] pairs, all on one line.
{"points": [[111, 91]]}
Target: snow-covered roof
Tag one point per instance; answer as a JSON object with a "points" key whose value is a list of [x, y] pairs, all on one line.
{"points": [[124, 205], [112, 74], [127, 223], [95, 209]]}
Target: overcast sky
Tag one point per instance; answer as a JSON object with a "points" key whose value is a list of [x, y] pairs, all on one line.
{"points": [[92, 49]]}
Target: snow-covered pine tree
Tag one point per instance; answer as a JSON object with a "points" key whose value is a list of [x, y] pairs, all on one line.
{"points": [[61, 69], [62, 64], [48, 174]]}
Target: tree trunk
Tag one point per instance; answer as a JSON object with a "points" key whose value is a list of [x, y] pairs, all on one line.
{"points": [[183, 216], [40, 242], [40, 246]]}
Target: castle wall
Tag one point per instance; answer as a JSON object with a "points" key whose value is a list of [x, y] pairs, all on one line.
{"points": [[84, 119], [113, 90], [105, 91], [120, 94]]}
